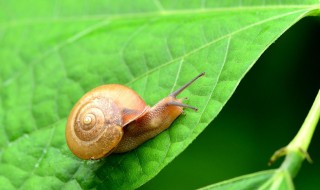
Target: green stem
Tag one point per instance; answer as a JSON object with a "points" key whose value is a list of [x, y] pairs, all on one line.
{"points": [[303, 138], [297, 149]]}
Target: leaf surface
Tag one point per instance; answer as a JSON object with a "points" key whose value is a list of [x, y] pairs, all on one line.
{"points": [[264, 180], [53, 52]]}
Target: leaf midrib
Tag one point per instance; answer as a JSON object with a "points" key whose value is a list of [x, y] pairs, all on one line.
{"points": [[159, 13]]}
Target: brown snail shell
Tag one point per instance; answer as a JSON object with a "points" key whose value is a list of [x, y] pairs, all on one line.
{"points": [[94, 126]]}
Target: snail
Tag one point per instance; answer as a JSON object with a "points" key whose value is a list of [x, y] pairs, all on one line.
{"points": [[114, 119]]}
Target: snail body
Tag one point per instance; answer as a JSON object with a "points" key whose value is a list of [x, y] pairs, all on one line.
{"points": [[115, 119]]}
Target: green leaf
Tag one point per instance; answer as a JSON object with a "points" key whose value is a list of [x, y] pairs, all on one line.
{"points": [[53, 52], [270, 179]]}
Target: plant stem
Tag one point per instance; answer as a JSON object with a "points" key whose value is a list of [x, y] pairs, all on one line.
{"points": [[297, 149], [303, 138]]}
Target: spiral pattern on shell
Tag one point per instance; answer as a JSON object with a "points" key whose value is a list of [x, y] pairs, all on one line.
{"points": [[95, 127], [95, 117]]}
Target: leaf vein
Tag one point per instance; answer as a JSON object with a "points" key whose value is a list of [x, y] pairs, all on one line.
{"points": [[213, 42]]}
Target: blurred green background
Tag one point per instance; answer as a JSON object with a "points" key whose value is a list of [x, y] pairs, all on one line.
{"points": [[263, 115]]}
